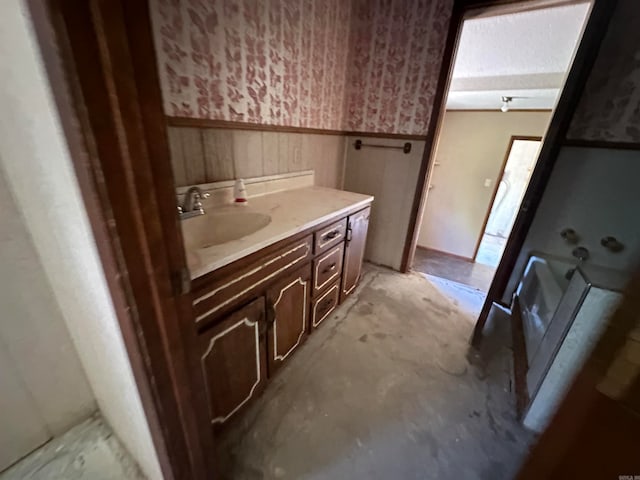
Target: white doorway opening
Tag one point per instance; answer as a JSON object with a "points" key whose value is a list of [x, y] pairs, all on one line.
{"points": [[520, 161]]}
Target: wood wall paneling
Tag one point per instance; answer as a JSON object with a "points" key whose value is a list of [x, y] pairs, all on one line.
{"points": [[270, 153], [391, 177], [204, 155], [187, 156], [218, 154], [247, 154]]}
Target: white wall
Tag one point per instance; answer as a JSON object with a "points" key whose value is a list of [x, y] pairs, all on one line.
{"points": [[41, 178], [391, 176], [32, 330], [471, 148], [595, 192]]}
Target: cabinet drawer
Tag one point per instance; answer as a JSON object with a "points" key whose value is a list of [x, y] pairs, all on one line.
{"points": [[327, 268], [229, 290], [329, 236], [324, 304]]}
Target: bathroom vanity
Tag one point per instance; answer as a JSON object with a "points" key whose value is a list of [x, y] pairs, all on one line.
{"points": [[257, 297]]}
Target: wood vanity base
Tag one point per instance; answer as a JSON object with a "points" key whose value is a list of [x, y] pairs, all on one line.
{"points": [[254, 314]]}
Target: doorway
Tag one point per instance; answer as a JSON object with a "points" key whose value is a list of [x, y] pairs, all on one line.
{"points": [[520, 160], [503, 87]]}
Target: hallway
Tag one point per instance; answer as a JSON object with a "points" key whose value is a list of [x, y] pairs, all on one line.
{"points": [[465, 272]]}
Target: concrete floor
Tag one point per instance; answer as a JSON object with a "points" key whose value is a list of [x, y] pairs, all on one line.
{"points": [[386, 389], [88, 451], [455, 269], [468, 300]]}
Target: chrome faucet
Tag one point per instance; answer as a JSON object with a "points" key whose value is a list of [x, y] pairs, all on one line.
{"points": [[192, 206]]}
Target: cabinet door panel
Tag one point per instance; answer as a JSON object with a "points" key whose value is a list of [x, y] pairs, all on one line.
{"points": [[358, 224], [232, 361], [288, 313]]}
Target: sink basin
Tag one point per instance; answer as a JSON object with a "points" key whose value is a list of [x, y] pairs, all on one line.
{"points": [[218, 228]]}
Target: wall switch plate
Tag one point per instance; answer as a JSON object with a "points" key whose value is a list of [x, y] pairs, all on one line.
{"points": [[487, 182]]}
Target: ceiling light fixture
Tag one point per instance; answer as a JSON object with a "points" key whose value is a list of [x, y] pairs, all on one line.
{"points": [[505, 103]]}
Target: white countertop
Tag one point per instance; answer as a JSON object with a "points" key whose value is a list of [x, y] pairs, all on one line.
{"points": [[291, 211]]}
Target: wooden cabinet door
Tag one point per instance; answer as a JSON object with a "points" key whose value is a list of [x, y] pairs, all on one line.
{"points": [[358, 224], [288, 315], [233, 361]]}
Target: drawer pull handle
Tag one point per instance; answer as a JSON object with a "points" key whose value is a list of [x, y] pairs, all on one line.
{"points": [[330, 268], [326, 305], [331, 235]]}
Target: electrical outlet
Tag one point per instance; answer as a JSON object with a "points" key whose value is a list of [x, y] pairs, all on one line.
{"points": [[487, 182]]}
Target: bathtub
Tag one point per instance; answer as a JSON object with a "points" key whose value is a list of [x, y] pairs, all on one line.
{"points": [[543, 283]]}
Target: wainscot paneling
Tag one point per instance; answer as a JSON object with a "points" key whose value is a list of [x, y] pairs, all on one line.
{"points": [[205, 155], [391, 177]]}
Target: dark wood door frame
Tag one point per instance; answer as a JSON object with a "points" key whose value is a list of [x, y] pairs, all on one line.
{"points": [[495, 188], [586, 54], [100, 61], [584, 59], [462, 9]]}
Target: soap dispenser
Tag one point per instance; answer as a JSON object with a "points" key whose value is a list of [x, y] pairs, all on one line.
{"points": [[240, 192]]}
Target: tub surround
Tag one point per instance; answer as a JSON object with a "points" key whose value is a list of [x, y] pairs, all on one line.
{"points": [[562, 321], [291, 211]]}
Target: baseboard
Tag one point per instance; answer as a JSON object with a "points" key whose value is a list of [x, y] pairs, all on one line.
{"points": [[452, 255]]}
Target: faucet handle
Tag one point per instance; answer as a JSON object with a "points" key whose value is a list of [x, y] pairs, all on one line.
{"points": [[197, 197]]}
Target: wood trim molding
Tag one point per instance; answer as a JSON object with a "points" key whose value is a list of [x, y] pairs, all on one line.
{"points": [[232, 125], [109, 66], [306, 244], [497, 184], [520, 361], [336, 266], [244, 322], [303, 330], [316, 303], [452, 255], [575, 142], [173, 121], [433, 129], [482, 8], [50, 27], [497, 110], [391, 136]]}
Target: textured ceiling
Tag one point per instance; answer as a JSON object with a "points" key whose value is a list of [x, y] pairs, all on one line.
{"points": [[520, 54]]}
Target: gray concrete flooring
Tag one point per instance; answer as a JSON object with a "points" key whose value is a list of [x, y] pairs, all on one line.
{"points": [[89, 451], [387, 388], [468, 300], [455, 269]]}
